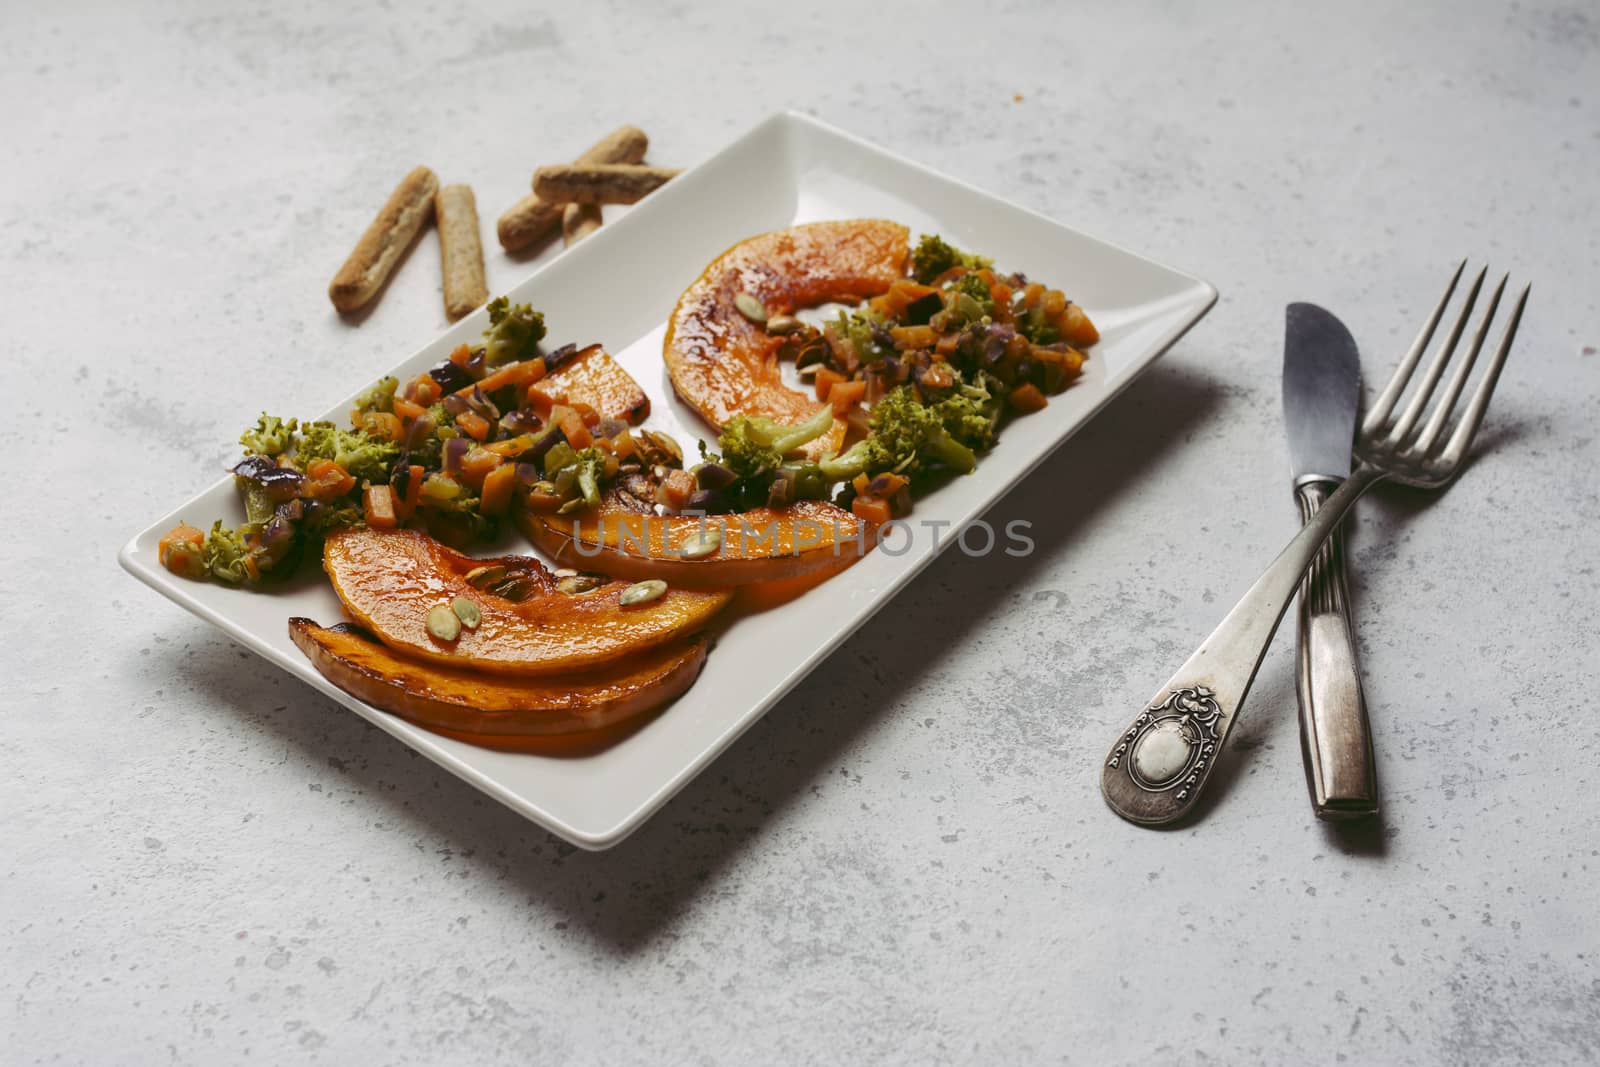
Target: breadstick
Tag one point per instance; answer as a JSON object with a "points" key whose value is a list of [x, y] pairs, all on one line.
{"points": [[460, 250], [600, 183], [578, 222], [408, 210], [532, 219]]}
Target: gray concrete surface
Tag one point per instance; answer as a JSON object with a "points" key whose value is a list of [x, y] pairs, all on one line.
{"points": [[908, 861]]}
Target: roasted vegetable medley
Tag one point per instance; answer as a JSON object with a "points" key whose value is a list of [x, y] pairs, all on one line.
{"points": [[445, 452], [925, 374]]}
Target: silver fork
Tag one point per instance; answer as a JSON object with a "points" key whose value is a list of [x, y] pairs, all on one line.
{"points": [[1158, 766]]}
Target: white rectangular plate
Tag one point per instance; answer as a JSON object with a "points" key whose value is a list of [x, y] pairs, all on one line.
{"points": [[618, 287]]}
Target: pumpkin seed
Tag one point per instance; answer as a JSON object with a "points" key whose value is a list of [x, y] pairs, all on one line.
{"points": [[442, 623], [782, 324], [664, 444], [516, 587], [750, 307], [573, 584], [642, 592], [701, 543], [467, 611], [483, 576]]}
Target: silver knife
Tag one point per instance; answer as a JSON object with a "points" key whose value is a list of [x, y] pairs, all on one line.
{"points": [[1321, 396]]}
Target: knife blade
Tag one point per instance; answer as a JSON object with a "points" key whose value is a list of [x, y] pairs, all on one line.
{"points": [[1321, 399]]}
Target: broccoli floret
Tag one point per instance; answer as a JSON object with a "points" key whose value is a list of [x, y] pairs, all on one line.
{"points": [[855, 328], [970, 415], [908, 435], [514, 332], [379, 398], [1036, 327], [272, 436], [335, 515], [975, 287], [751, 445], [744, 451], [591, 468], [358, 452], [228, 557], [934, 256]]}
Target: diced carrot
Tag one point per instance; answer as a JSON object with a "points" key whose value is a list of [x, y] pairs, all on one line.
{"points": [[1031, 294], [885, 485], [938, 376], [1026, 399], [947, 344], [413, 494], [381, 424], [496, 494], [590, 416], [1055, 302], [327, 480], [914, 336], [379, 508], [477, 464], [460, 355], [900, 295], [180, 551], [870, 509], [543, 402], [846, 395], [1000, 293], [406, 409], [826, 379], [423, 390], [577, 433], [675, 490], [473, 425], [512, 447], [1076, 329], [525, 373]]}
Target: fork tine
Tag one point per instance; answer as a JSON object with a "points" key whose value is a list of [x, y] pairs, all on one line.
{"points": [[1458, 379], [1372, 425], [1430, 379], [1461, 440]]}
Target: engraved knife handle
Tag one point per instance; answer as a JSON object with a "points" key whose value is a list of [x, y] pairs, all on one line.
{"points": [[1160, 762], [1335, 736]]}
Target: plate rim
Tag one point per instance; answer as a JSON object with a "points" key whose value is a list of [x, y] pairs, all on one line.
{"points": [[1195, 306]]}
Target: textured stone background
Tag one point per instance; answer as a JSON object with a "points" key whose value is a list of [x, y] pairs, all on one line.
{"points": [[908, 860]]}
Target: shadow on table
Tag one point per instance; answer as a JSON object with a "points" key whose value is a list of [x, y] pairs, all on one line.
{"points": [[628, 895]]}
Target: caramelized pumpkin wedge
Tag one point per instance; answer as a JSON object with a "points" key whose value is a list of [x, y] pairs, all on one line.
{"points": [[594, 378], [724, 364], [620, 538], [465, 702], [390, 581]]}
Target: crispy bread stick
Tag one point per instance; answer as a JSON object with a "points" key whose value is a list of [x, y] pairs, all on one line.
{"points": [[579, 221], [532, 219], [460, 250], [600, 183], [408, 210]]}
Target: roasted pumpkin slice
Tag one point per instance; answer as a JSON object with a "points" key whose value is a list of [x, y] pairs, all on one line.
{"points": [[594, 378], [464, 702], [724, 364], [525, 621], [622, 538]]}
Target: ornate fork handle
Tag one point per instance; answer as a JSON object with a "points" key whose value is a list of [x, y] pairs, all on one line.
{"points": [[1159, 764]]}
